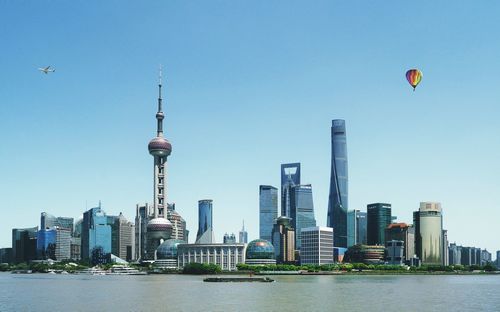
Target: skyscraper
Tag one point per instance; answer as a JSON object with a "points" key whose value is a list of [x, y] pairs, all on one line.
{"points": [[96, 233], [122, 238], [268, 210], [205, 233], [290, 176], [378, 218], [49, 221], [179, 230], [405, 233], [243, 239], [428, 223], [141, 223], [338, 199], [159, 228], [356, 228], [24, 242], [301, 210], [284, 240]]}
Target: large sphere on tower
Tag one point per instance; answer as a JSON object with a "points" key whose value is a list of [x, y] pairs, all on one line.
{"points": [[160, 146]]}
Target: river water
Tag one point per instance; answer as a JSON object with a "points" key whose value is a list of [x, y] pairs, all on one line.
{"points": [[49, 292]]}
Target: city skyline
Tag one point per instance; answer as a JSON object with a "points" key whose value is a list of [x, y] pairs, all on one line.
{"points": [[404, 147]]}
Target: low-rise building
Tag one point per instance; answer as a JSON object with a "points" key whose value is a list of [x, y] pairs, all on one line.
{"points": [[227, 256], [260, 252]]}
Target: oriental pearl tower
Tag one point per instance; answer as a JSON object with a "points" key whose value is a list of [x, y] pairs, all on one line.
{"points": [[159, 227]]}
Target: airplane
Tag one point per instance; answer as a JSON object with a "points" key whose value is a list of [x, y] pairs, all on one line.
{"points": [[47, 70]]}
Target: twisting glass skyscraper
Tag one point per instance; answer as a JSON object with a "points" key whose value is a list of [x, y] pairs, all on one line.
{"points": [[337, 200]]}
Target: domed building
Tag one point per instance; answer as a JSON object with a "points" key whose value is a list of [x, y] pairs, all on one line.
{"points": [[168, 249], [158, 231], [261, 252], [166, 254]]}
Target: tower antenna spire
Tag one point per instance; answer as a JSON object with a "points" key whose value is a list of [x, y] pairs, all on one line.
{"points": [[159, 114]]}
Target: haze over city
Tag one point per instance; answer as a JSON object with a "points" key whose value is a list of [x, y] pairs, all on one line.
{"points": [[246, 89]]}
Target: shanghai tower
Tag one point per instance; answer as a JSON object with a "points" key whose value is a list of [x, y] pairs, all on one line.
{"points": [[337, 200]]}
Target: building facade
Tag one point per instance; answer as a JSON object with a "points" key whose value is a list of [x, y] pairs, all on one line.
{"points": [[290, 176], [284, 240], [142, 213], [301, 210], [96, 233], [24, 243], [63, 243], [122, 238], [338, 197], [227, 256], [356, 228], [268, 210], [316, 245], [428, 223], [260, 252], [378, 219], [395, 252], [179, 230], [205, 233], [229, 238], [405, 233]]}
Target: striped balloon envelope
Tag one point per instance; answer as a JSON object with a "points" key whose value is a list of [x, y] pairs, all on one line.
{"points": [[414, 76]]}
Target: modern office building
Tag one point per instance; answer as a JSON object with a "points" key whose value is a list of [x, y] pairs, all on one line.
{"points": [[63, 243], [301, 210], [485, 257], [365, 254], [284, 240], [498, 259], [5, 255], [444, 251], [290, 176], [205, 233], [243, 235], [227, 256], [49, 221], [268, 210], [159, 228], [395, 252], [405, 233], [428, 223], [46, 244], [454, 254], [316, 246], [142, 213], [179, 230], [260, 252], [122, 238], [229, 238], [356, 228], [378, 219], [24, 243], [96, 233], [338, 197]]}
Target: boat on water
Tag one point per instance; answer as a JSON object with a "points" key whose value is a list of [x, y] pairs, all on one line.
{"points": [[124, 270], [239, 279], [92, 271]]}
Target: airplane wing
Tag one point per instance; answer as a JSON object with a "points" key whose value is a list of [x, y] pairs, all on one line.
{"points": [[47, 68]]}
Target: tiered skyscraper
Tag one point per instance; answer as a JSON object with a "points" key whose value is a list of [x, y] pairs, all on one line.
{"points": [[337, 200], [159, 228]]}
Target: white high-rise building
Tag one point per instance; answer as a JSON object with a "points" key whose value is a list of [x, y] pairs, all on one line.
{"points": [[316, 245]]}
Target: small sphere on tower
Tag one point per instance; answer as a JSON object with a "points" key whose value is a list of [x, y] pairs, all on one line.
{"points": [[160, 146]]}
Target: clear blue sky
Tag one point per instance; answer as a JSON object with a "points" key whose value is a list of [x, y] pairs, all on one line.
{"points": [[250, 85]]}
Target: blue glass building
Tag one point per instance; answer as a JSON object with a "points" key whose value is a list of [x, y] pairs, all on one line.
{"points": [[96, 233], [46, 244], [379, 217], [356, 228], [205, 221], [268, 210], [290, 176], [337, 200], [302, 210]]}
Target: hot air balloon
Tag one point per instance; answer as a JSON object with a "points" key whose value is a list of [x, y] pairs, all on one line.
{"points": [[414, 76]]}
